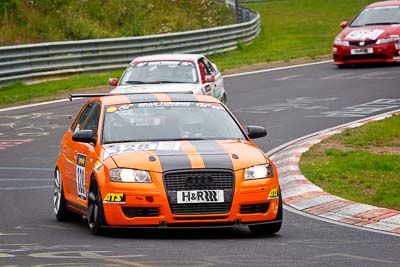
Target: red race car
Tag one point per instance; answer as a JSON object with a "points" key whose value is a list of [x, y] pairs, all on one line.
{"points": [[372, 36]]}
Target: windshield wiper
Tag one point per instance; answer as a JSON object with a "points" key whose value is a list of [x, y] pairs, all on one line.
{"points": [[134, 82], [173, 139], [160, 82], [125, 141], [381, 23], [190, 139], [155, 140]]}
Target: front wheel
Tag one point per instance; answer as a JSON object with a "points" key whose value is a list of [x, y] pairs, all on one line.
{"points": [[342, 66], [269, 228], [95, 209]]}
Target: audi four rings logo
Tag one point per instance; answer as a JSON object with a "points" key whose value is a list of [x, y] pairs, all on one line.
{"points": [[199, 180]]}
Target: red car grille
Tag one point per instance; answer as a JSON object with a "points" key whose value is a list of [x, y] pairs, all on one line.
{"points": [[363, 43], [365, 57]]}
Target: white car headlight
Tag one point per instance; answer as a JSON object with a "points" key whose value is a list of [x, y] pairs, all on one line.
{"points": [[387, 40], [341, 43], [258, 172], [129, 176]]}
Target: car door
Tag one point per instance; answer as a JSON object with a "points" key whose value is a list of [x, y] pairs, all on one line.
{"points": [[218, 81], [80, 157]]}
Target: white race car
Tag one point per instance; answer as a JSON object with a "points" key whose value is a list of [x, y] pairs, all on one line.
{"points": [[171, 73]]}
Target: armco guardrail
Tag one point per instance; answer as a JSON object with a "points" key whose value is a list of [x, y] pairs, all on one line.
{"points": [[28, 62]]}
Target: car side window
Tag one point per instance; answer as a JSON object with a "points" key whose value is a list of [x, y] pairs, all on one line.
{"points": [[209, 67], [88, 119]]}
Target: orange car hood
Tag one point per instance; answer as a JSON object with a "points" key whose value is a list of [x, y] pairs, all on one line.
{"points": [[176, 155]]}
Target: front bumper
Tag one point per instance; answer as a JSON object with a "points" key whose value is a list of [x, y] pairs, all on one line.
{"points": [[147, 205], [389, 52]]}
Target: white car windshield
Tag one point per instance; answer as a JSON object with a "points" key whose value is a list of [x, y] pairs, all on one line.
{"points": [[168, 121], [377, 16], [160, 72]]}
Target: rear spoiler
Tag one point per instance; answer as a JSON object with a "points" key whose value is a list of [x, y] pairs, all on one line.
{"points": [[72, 96]]}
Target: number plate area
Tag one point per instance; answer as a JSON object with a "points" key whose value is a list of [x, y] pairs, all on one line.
{"points": [[200, 196], [362, 51]]}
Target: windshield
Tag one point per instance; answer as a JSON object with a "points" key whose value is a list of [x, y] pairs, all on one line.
{"points": [[377, 16], [160, 72], [168, 121]]}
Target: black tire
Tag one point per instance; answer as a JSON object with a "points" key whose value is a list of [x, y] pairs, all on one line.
{"points": [[95, 214], [59, 203], [224, 99], [343, 66], [269, 228]]}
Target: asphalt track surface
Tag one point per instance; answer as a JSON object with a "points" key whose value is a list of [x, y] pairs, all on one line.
{"points": [[290, 103]]}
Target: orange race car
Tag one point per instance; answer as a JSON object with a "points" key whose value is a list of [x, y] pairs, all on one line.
{"points": [[164, 160]]}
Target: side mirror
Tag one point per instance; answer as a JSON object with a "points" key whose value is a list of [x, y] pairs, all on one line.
{"points": [[344, 24], [84, 136], [113, 81], [256, 132], [210, 78]]}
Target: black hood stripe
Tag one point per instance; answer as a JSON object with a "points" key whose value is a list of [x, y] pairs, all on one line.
{"points": [[174, 161], [213, 154]]}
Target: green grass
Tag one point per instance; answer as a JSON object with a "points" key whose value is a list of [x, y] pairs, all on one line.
{"points": [[352, 164], [375, 134], [23, 21], [289, 29]]}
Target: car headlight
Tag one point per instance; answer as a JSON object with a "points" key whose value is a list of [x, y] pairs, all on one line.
{"points": [[341, 43], [258, 172], [387, 40], [129, 176]]}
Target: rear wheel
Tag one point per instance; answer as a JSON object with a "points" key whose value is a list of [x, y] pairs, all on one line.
{"points": [[95, 209], [60, 207], [269, 228]]}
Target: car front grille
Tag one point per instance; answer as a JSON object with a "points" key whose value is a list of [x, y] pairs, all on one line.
{"points": [[362, 43], [201, 179], [365, 57]]}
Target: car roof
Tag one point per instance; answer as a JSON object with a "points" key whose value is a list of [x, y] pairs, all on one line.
{"points": [[184, 57], [119, 99], [385, 3]]}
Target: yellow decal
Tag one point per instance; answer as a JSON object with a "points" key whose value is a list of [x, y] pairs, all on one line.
{"points": [[273, 194], [111, 109], [115, 198], [81, 161]]}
